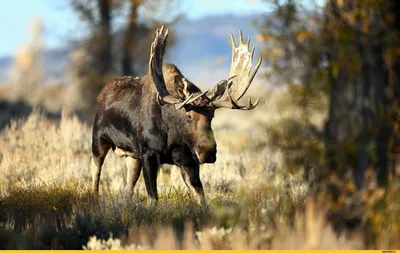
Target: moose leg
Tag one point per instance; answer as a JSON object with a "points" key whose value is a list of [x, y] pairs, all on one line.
{"points": [[133, 167], [99, 152], [191, 176], [150, 167]]}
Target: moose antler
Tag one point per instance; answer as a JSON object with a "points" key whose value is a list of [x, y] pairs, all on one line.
{"points": [[239, 81], [157, 52], [240, 76], [232, 90]]}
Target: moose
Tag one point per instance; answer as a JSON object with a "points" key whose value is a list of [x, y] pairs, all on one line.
{"points": [[163, 118]]}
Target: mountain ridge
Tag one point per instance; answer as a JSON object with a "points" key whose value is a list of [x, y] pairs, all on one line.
{"points": [[202, 51]]}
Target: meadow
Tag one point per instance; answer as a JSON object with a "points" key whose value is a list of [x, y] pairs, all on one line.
{"points": [[285, 172], [253, 200]]}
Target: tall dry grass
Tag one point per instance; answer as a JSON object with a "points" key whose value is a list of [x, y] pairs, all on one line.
{"points": [[253, 202]]}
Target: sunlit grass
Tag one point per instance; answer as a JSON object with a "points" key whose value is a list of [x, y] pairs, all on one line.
{"points": [[254, 201]]}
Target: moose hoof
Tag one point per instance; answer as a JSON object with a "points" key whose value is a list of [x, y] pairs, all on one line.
{"points": [[151, 202]]}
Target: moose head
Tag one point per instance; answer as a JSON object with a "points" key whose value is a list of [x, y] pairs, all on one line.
{"points": [[194, 108]]}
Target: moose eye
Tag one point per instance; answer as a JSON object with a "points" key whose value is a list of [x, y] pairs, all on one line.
{"points": [[189, 118]]}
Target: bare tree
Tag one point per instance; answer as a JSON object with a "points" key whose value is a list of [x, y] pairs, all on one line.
{"points": [[111, 48]]}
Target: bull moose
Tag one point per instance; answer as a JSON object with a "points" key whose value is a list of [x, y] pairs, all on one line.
{"points": [[163, 118]]}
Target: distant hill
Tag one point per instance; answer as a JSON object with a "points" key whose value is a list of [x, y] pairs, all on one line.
{"points": [[54, 61], [5, 63], [202, 51]]}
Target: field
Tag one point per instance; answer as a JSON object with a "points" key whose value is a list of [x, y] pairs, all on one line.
{"points": [[314, 166], [253, 201]]}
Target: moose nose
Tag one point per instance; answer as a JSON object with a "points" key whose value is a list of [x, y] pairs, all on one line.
{"points": [[206, 155]]}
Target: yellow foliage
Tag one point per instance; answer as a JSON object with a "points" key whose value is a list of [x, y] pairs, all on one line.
{"points": [[23, 58], [302, 36]]}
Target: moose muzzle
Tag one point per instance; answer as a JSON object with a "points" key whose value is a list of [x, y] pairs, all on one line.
{"points": [[206, 153]]}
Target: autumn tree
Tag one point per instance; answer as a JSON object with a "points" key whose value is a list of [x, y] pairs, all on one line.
{"points": [[361, 41], [27, 71], [347, 52], [293, 52]]}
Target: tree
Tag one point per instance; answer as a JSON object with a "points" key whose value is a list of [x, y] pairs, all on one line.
{"points": [[27, 71], [97, 14], [144, 17], [346, 50], [117, 42], [363, 85], [293, 52]]}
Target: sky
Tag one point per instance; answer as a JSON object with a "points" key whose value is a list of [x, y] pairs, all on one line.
{"points": [[59, 21]]}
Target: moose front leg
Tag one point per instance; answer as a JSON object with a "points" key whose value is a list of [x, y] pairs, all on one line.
{"points": [[150, 168], [191, 177], [133, 172]]}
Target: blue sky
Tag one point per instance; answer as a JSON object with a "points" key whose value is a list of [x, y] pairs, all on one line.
{"points": [[59, 21]]}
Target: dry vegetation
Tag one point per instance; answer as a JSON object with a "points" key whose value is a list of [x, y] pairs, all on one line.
{"points": [[253, 201], [269, 188]]}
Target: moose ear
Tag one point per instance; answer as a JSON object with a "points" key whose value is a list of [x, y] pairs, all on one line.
{"points": [[218, 90]]}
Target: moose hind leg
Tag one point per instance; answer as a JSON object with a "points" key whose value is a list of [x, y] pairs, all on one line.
{"points": [[150, 169], [99, 153], [133, 172], [191, 177]]}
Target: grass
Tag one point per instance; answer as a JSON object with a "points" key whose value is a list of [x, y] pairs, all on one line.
{"points": [[64, 217], [253, 201]]}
